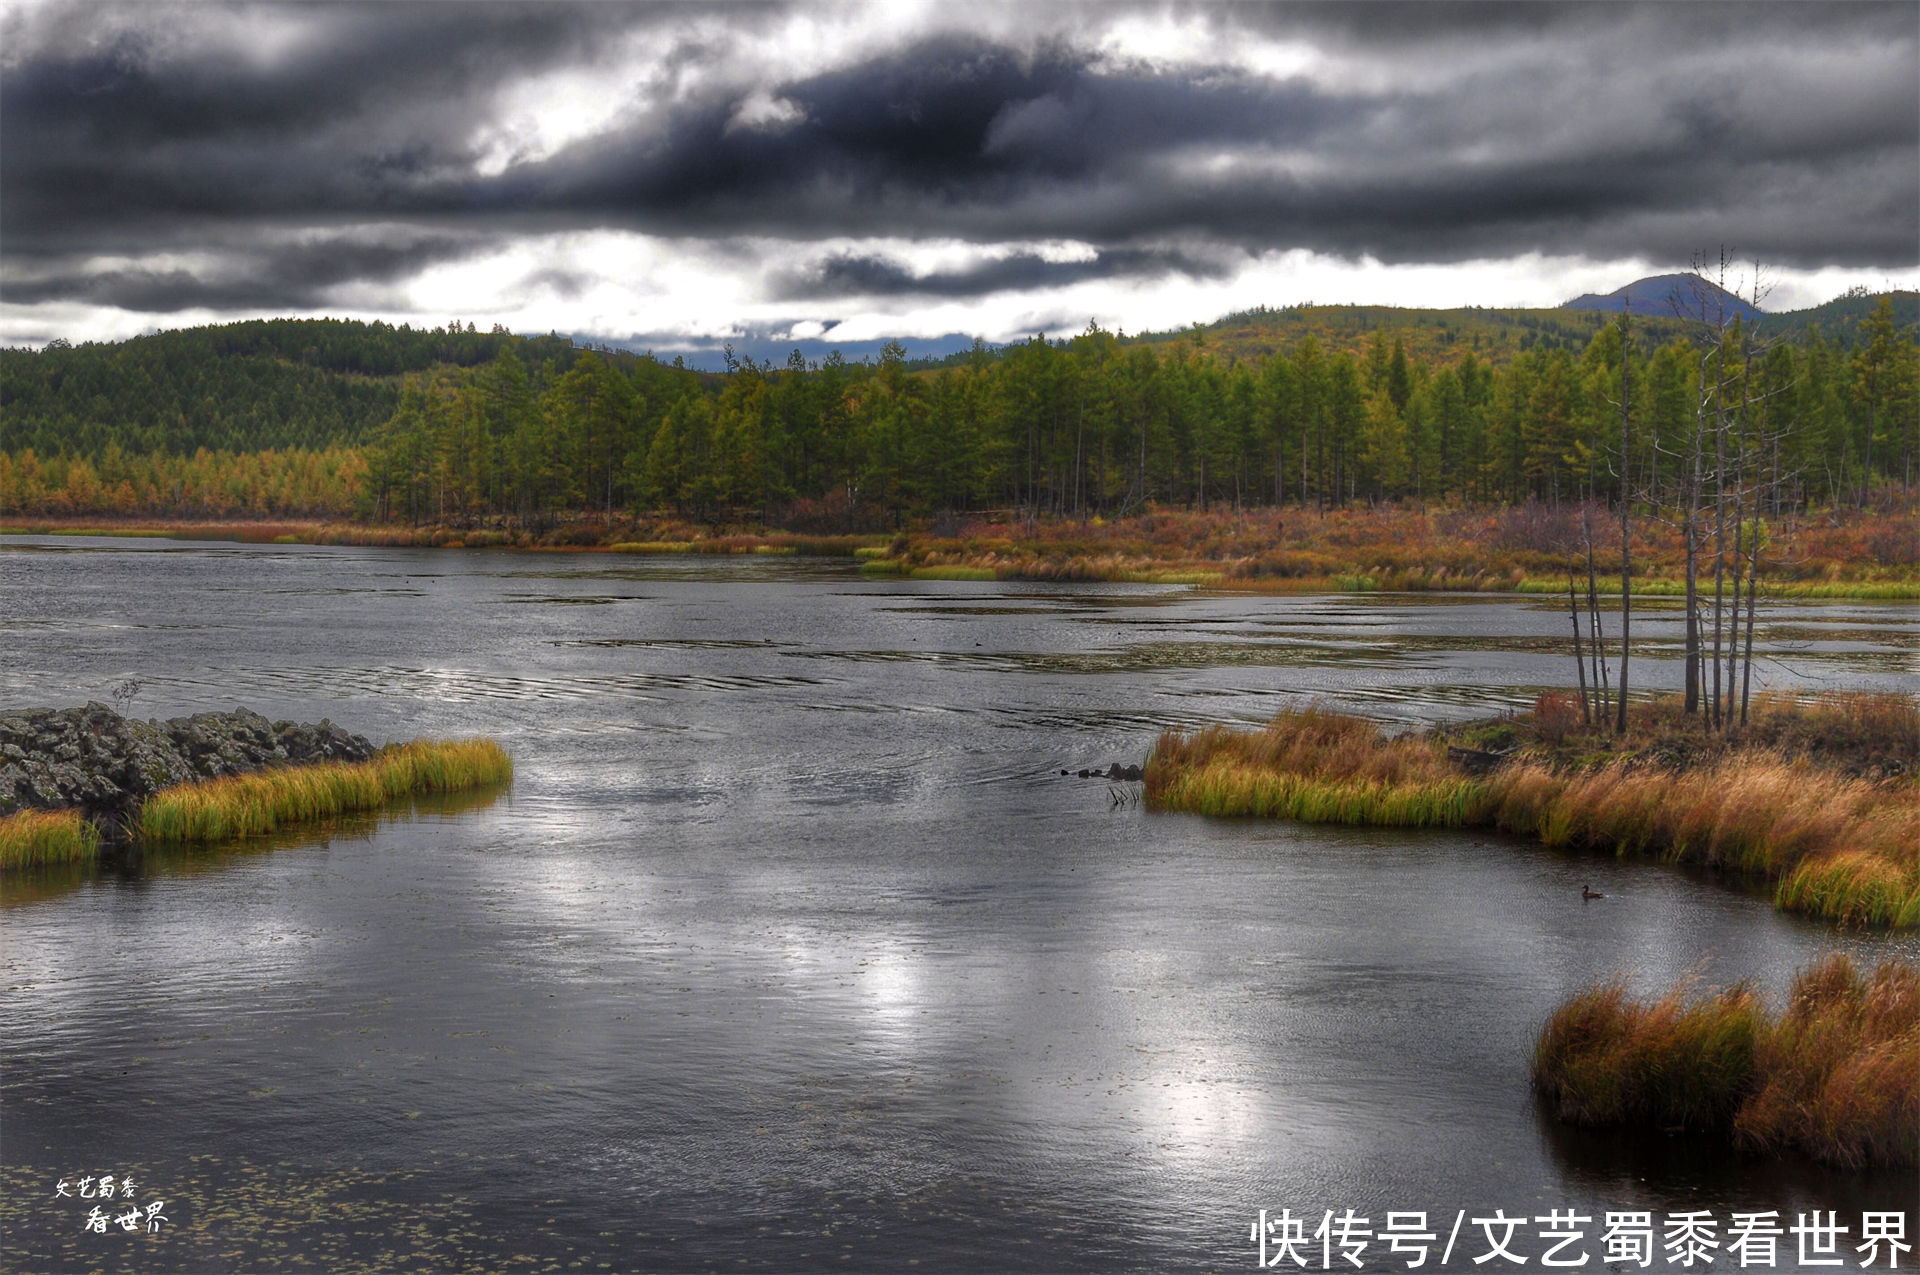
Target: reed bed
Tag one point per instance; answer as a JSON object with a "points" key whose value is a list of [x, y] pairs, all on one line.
{"points": [[1832, 844], [1314, 766], [38, 838], [1250, 790], [248, 805], [1837, 1075], [1836, 846]]}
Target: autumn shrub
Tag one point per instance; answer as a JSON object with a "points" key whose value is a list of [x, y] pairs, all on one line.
{"points": [[1555, 715]]}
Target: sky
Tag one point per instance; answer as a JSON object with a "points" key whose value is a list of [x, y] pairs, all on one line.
{"points": [[675, 178]]}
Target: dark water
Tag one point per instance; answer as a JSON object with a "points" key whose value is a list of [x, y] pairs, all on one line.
{"points": [[790, 948]]}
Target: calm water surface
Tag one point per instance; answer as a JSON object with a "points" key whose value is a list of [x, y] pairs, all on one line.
{"points": [[791, 948]]}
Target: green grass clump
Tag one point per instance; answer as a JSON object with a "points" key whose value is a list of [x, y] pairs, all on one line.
{"points": [[248, 805], [1250, 790], [953, 572], [1169, 576], [35, 838], [1837, 1075]]}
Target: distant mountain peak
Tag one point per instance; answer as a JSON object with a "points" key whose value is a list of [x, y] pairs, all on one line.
{"points": [[1667, 295]]}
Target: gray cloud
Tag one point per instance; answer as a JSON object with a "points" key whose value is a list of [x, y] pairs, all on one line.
{"points": [[301, 275], [851, 274], [1469, 130]]}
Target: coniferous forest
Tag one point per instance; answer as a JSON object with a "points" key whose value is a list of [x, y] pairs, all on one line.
{"points": [[1314, 406]]}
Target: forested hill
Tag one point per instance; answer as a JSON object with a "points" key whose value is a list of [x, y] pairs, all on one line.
{"points": [[1840, 320], [313, 384], [1494, 336], [265, 383]]}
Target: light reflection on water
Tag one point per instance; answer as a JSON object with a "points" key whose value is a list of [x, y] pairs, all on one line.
{"points": [[789, 921]]}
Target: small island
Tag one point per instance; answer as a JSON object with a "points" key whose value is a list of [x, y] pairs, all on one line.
{"points": [[76, 782]]}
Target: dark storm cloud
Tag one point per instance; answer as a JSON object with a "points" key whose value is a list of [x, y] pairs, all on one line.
{"points": [[297, 275], [1416, 24], [367, 111], [854, 274], [1442, 132]]}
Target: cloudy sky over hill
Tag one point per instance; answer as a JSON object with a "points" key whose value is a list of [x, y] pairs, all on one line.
{"points": [[670, 177]]}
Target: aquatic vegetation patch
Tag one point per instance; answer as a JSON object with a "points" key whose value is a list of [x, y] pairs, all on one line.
{"points": [[1870, 590], [248, 805], [1251, 790], [38, 838], [652, 546], [1835, 846], [1818, 799], [953, 571], [1836, 1075]]}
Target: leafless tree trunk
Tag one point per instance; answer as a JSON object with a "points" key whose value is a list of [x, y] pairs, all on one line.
{"points": [[1626, 548], [1597, 649], [1579, 663]]}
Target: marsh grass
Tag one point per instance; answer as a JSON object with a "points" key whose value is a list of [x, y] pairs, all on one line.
{"points": [[1837, 1075], [1250, 790], [651, 546], [951, 571], [1779, 804], [1839, 847], [249, 805], [40, 838], [1381, 549], [1871, 590], [1387, 548], [1679, 1062]]}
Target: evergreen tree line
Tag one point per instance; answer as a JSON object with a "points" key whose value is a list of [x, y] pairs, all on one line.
{"points": [[497, 425], [1094, 426]]}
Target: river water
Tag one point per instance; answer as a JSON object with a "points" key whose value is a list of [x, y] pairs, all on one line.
{"points": [[790, 947]]}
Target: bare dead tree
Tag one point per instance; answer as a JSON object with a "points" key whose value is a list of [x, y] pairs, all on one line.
{"points": [[1597, 645], [1626, 547]]}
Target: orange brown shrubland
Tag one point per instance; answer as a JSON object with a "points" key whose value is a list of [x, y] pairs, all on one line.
{"points": [[1777, 802], [1836, 1075]]}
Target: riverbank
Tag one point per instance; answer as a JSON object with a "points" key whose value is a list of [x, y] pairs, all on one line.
{"points": [[1525, 549], [76, 781], [1835, 1075], [1820, 799]]}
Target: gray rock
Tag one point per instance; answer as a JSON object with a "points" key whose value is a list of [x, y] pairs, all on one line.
{"points": [[106, 765]]}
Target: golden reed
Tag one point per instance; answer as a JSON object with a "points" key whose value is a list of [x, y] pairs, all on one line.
{"points": [[1837, 846], [1836, 1075]]}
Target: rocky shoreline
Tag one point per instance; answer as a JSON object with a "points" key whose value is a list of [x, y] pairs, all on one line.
{"points": [[104, 765]]}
